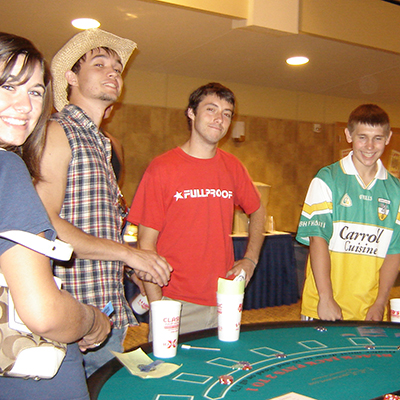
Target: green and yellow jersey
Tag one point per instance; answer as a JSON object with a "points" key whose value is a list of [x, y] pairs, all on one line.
{"points": [[360, 223]]}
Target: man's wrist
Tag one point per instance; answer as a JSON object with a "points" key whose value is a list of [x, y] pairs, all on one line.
{"points": [[380, 301], [254, 262], [129, 272], [93, 321]]}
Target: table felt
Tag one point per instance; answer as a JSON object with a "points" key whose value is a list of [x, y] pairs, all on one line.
{"points": [[347, 361]]}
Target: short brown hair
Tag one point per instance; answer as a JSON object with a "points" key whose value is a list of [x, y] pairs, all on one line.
{"points": [[369, 114], [199, 94]]}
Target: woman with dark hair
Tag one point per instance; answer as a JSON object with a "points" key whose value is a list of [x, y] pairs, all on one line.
{"points": [[25, 103]]}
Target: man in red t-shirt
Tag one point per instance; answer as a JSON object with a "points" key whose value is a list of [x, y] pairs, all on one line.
{"points": [[184, 209]]}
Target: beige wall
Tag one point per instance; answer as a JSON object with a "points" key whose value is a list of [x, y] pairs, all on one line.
{"points": [[280, 152], [171, 91], [280, 148]]}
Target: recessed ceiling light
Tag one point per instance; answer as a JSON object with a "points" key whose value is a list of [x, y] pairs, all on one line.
{"points": [[85, 23], [297, 60], [131, 16]]}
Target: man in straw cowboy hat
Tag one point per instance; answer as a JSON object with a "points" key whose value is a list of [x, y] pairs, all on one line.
{"points": [[79, 188]]}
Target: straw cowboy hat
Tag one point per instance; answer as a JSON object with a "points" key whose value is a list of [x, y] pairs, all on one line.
{"points": [[75, 48]]}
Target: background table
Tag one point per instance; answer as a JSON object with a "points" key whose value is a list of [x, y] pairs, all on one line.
{"points": [[274, 282], [350, 360]]}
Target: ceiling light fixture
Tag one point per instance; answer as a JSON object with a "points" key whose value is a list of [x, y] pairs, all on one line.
{"points": [[85, 23], [131, 16], [297, 60]]}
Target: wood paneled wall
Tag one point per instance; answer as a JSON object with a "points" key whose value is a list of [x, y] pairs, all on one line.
{"points": [[285, 154]]}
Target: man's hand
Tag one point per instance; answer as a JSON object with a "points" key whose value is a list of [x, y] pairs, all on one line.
{"points": [[99, 331], [244, 264], [376, 312], [138, 282], [387, 276], [150, 267], [329, 310]]}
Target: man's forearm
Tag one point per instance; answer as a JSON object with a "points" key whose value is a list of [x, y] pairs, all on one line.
{"points": [[87, 246], [321, 266], [256, 237], [147, 264], [153, 292], [387, 276]]}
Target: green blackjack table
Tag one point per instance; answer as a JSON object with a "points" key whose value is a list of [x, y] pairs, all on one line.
{"points": [[321, 360]]}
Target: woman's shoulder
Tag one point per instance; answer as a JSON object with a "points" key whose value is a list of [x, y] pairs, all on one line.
{"points": [[13, 167], [10, 158]]}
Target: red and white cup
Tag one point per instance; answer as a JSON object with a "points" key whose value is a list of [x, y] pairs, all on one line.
{"points": [[165, 319], [229, 316], [140, 304], [395, 310]]}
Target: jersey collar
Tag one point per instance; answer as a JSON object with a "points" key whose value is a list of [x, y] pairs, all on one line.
{"points": [[350, 169]]}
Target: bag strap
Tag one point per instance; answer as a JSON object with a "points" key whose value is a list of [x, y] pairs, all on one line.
{"points": [[54, 249]]}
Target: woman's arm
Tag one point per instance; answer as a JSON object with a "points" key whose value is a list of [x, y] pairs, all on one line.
{"points": [[46, 310]]}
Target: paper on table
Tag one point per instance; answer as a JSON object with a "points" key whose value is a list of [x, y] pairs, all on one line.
{"points": [[292, 396], [134, 358], [227, 286]]}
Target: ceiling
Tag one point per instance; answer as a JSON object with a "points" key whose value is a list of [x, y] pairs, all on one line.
{"points": [[178, 41]]}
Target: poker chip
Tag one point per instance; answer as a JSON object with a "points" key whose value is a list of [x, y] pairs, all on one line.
{"points": [[321, 329], [280, 355], [370, 347], [391, 397], [226, 379], [244, 365]]}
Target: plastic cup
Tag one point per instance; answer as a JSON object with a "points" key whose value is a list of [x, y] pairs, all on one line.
{"points": [[270, 224], [395, 310], [229, 316], [165, 319], [140, 304]]}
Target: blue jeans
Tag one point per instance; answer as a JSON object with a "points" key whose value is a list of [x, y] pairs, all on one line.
{"points": [[96, 358]]}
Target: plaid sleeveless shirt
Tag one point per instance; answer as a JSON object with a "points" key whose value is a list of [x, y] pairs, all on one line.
{"points": [[91, 203]]}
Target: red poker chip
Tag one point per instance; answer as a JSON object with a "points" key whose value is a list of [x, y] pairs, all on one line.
{"points": [[226, 379], [391, 397], [244, 365]]}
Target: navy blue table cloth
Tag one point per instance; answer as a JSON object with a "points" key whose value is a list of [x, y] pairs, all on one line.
{"points": [[274, 282]]}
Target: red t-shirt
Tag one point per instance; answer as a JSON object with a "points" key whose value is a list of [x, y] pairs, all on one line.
{"points": [[190, 201]]}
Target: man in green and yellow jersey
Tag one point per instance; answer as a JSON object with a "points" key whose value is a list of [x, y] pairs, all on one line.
{"points": [[350, 220]]}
